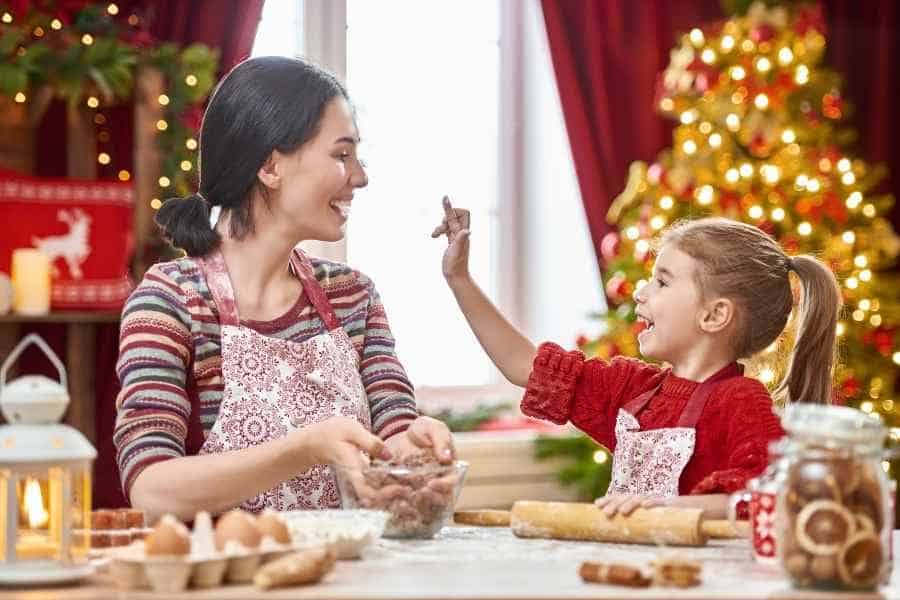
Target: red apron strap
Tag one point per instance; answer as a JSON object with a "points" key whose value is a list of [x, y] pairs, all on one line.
{"points": [[217, 279], [304, 270], [691, 413], [636, 405]]}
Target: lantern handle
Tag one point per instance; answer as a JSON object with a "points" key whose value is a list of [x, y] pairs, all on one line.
{"points": [[33, 338]]}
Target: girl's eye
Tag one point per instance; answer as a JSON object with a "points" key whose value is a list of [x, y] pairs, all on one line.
{"points": [[661, 282]]}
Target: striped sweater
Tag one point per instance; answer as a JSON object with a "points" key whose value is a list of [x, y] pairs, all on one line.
{"points": [[170, 359]]}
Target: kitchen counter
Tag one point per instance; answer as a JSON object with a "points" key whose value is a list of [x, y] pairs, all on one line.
{"points": [[491, 563]]}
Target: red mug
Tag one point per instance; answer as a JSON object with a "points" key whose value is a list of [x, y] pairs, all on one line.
{"points": [[760, 501]]}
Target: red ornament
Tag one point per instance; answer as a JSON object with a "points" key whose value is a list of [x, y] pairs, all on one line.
{"points": [[618, 288], [850, 387], [581, 340], [609, 246], [810, 18], [762, 33]]}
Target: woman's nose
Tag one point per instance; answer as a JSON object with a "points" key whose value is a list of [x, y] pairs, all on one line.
{"points": [[360, 178]]}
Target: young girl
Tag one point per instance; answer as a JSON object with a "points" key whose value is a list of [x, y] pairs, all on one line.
{"points": [[689, 434]]}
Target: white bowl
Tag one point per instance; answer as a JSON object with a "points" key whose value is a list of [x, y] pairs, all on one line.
{"points": [[347, 532]]}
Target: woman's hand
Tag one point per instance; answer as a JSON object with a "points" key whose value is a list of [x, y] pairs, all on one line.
{"points": [[455, 226], [625, 504], [424, 433], [341, 441]]}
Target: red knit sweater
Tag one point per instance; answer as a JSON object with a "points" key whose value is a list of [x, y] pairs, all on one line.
{"points": [[733, 432]]}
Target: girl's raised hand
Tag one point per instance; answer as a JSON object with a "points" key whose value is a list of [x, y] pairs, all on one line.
{"points": [[455, 226]]}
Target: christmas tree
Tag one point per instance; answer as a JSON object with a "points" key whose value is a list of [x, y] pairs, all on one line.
{"points": [[761, 139]]}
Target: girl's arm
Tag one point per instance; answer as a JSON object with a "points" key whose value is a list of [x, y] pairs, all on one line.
{"points": [[511, 351]]}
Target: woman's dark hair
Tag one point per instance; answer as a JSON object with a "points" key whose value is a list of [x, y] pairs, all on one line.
{"points": [[264, 104]]}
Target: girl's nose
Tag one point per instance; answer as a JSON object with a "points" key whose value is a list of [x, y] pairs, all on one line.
{"points": [[638, 294]]}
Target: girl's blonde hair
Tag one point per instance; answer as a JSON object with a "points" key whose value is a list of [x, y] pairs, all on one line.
{"points": [[740, 262]]}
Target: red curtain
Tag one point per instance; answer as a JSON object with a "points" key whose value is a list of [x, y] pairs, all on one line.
{"points": [[607, 53]]}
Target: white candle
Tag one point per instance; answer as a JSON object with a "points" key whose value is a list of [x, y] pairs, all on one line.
{"points": [[30, 281]]}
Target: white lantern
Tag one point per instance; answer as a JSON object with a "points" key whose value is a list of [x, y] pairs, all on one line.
{"points": [[45, 479]]}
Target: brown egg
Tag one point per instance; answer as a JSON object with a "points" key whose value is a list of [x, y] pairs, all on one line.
{"points": [[271, 523], [170, 538], [237, 526]]}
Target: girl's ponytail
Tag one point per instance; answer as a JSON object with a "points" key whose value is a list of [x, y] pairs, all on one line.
{"points": [[809, 372]]}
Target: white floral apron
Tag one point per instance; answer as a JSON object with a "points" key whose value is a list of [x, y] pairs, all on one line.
{"points": [[273, 386], [651, 462]]}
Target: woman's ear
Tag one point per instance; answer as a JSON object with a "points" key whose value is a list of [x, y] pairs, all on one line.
{"points": [[717, 316], [268, 173]]}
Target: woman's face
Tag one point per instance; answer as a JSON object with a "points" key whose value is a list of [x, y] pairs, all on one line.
{"points": [[316, 182]]}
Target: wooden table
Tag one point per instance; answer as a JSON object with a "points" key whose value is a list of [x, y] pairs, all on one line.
{"points": [[470, 563], [81, 332]]}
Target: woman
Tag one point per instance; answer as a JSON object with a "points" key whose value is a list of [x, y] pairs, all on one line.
{"points": [[246, 366]]}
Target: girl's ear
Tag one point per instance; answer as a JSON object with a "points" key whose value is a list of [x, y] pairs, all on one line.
{"points": [[268, 172], [717, 316]]}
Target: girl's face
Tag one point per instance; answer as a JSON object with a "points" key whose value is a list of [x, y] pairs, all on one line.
{"points": [[671, 307], [315, 184]]}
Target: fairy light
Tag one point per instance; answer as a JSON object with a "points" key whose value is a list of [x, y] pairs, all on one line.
{"points": [[864, 304], [763, 64], [657, 222], [705, 195], [688, 117], [124, 175], [666, 202], [770, 173], [689, 147], [785, 56], [761, 101], [708, 56], [804, 228], [801, 76], [778, 214], [861, 261], [896, 358], [813, 185], [843, 165], [848, 237], [746, 170], [875, 320], [697, 37], [87, 39], [666, 104], [103, 158], [642, 246], [732, 175], [705, 127], [748, 46], [112, 9], [162, 125], [869, 210], [163, 100], [715, 140], [164, 182], [801, 181], [767, 375], [733, 122], [866, 407], [38, 32], [738, 73], [186, 165], [20, 98], [788, 136], [848, 178], [190, 144], [865, 275], [841, 328], [859, 315], [93, 102], [632, 233], [888, 405], [854, 200], [191, 80], [755, 211], [727, 43], [600, 457], [155, 204], [133, 20], [6, 18], [824, 165], [56, 24], [852, 283]]}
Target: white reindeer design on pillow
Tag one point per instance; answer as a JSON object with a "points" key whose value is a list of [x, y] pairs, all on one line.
{"points": [[73, 247]]}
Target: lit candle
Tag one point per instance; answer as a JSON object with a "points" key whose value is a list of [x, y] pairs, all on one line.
{"points": [[30, 281]]}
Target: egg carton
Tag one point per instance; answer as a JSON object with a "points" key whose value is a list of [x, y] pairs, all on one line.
{"points": [[133, 569]]}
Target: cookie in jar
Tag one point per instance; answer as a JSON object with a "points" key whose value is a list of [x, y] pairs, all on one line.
{"points": [[834, 515]]}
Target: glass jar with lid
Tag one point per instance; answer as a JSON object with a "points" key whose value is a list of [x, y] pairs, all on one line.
{"points": [[834, 518]]}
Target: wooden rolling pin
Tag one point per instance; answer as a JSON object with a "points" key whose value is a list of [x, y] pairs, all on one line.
{"points": [[577, 521]]}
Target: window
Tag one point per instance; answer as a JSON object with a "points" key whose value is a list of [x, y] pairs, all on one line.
{"points": [[457, 97]]}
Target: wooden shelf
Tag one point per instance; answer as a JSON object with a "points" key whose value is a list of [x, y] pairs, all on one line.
{"points": [[64, 317]]}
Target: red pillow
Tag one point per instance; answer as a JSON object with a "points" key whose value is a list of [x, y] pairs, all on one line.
{"points": [[85, 227]]}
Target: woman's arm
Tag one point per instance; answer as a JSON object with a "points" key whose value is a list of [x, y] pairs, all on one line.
{"points": [[511, 351], [217, 482]]}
